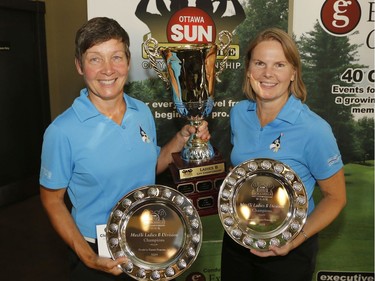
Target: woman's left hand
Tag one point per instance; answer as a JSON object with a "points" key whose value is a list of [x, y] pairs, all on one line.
{"points": [[273, 251]]}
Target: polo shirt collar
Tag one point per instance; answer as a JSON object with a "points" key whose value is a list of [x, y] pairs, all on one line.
{"points": [[290, 111], [85, 109]]}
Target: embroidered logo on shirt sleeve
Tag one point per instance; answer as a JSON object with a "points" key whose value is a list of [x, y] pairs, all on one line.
{"points": [[144, 136], [46, 173], [276, 144], [333, 160]]}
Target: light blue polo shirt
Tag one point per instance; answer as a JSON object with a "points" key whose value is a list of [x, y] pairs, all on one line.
{"points": [[97, 160], [297, 137]]}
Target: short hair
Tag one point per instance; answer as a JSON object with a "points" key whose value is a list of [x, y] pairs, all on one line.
{"points": [[297, 87], [98, 30]]}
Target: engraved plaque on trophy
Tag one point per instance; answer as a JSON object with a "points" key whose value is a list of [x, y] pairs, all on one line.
{"points": [[262, 202], [158, 229], [191, 74]]}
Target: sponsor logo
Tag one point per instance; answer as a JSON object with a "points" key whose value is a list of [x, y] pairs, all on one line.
{"points": [[191, 25], [340, 17]]}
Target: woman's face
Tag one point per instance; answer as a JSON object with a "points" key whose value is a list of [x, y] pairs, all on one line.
{"points": [[105, 69], [269, 72]]}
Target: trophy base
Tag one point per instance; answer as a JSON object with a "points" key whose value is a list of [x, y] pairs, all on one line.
{"points": [[200, 183]]}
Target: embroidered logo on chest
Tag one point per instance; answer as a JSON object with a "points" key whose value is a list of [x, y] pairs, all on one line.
{"points": [[144, 136], [276, 144]]}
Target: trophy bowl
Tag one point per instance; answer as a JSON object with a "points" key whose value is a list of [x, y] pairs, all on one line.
{"points": [[158, 229], [191, 73], [262, 202]]}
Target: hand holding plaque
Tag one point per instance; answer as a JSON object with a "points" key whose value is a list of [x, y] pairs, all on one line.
{"points": [[262, 202]]}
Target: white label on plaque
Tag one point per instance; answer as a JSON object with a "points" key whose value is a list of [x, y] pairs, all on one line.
{"points": [[102, 242]]}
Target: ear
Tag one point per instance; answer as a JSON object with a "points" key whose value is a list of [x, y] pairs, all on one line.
{"points": [[248, 73], [78, 66], [293, 76]]}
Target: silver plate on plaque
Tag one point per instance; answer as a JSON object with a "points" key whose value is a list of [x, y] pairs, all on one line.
{"points": [[262, 202], [158, 229]]}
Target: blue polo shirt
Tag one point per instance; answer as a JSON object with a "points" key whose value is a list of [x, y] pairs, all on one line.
{"points": [[97, 160], [297, 137]]}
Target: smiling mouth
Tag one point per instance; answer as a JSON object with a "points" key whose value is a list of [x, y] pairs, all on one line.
{"points": [[107, 82], [267, 84]]}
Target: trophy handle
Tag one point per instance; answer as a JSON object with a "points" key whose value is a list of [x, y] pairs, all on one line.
{"points": [[151, 47], [225, 39]]}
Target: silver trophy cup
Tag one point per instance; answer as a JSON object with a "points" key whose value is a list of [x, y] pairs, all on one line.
{"points": [[191, 73]]}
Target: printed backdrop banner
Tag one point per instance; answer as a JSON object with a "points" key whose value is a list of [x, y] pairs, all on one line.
{"points": [[354, 20], [336, 42]]}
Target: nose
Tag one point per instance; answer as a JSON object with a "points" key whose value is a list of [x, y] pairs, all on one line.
{"points": [[268, 72], [107, 67]]}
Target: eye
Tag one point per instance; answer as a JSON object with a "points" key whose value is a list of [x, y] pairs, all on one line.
{"points": [[95, 60], [118, 58], [259, 64], [280, 65]]}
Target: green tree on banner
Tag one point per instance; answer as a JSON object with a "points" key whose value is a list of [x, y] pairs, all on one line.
{"points": [[365, 131], [324, 58]]}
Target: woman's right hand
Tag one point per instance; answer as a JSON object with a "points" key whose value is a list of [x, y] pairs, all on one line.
{"points": [[109, 265]]}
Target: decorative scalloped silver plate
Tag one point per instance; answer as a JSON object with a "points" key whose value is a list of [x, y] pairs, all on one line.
{"points": [[262, 202], [158, 229]]}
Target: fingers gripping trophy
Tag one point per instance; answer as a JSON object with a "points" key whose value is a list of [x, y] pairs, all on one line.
{"points": [[190, 74]]}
